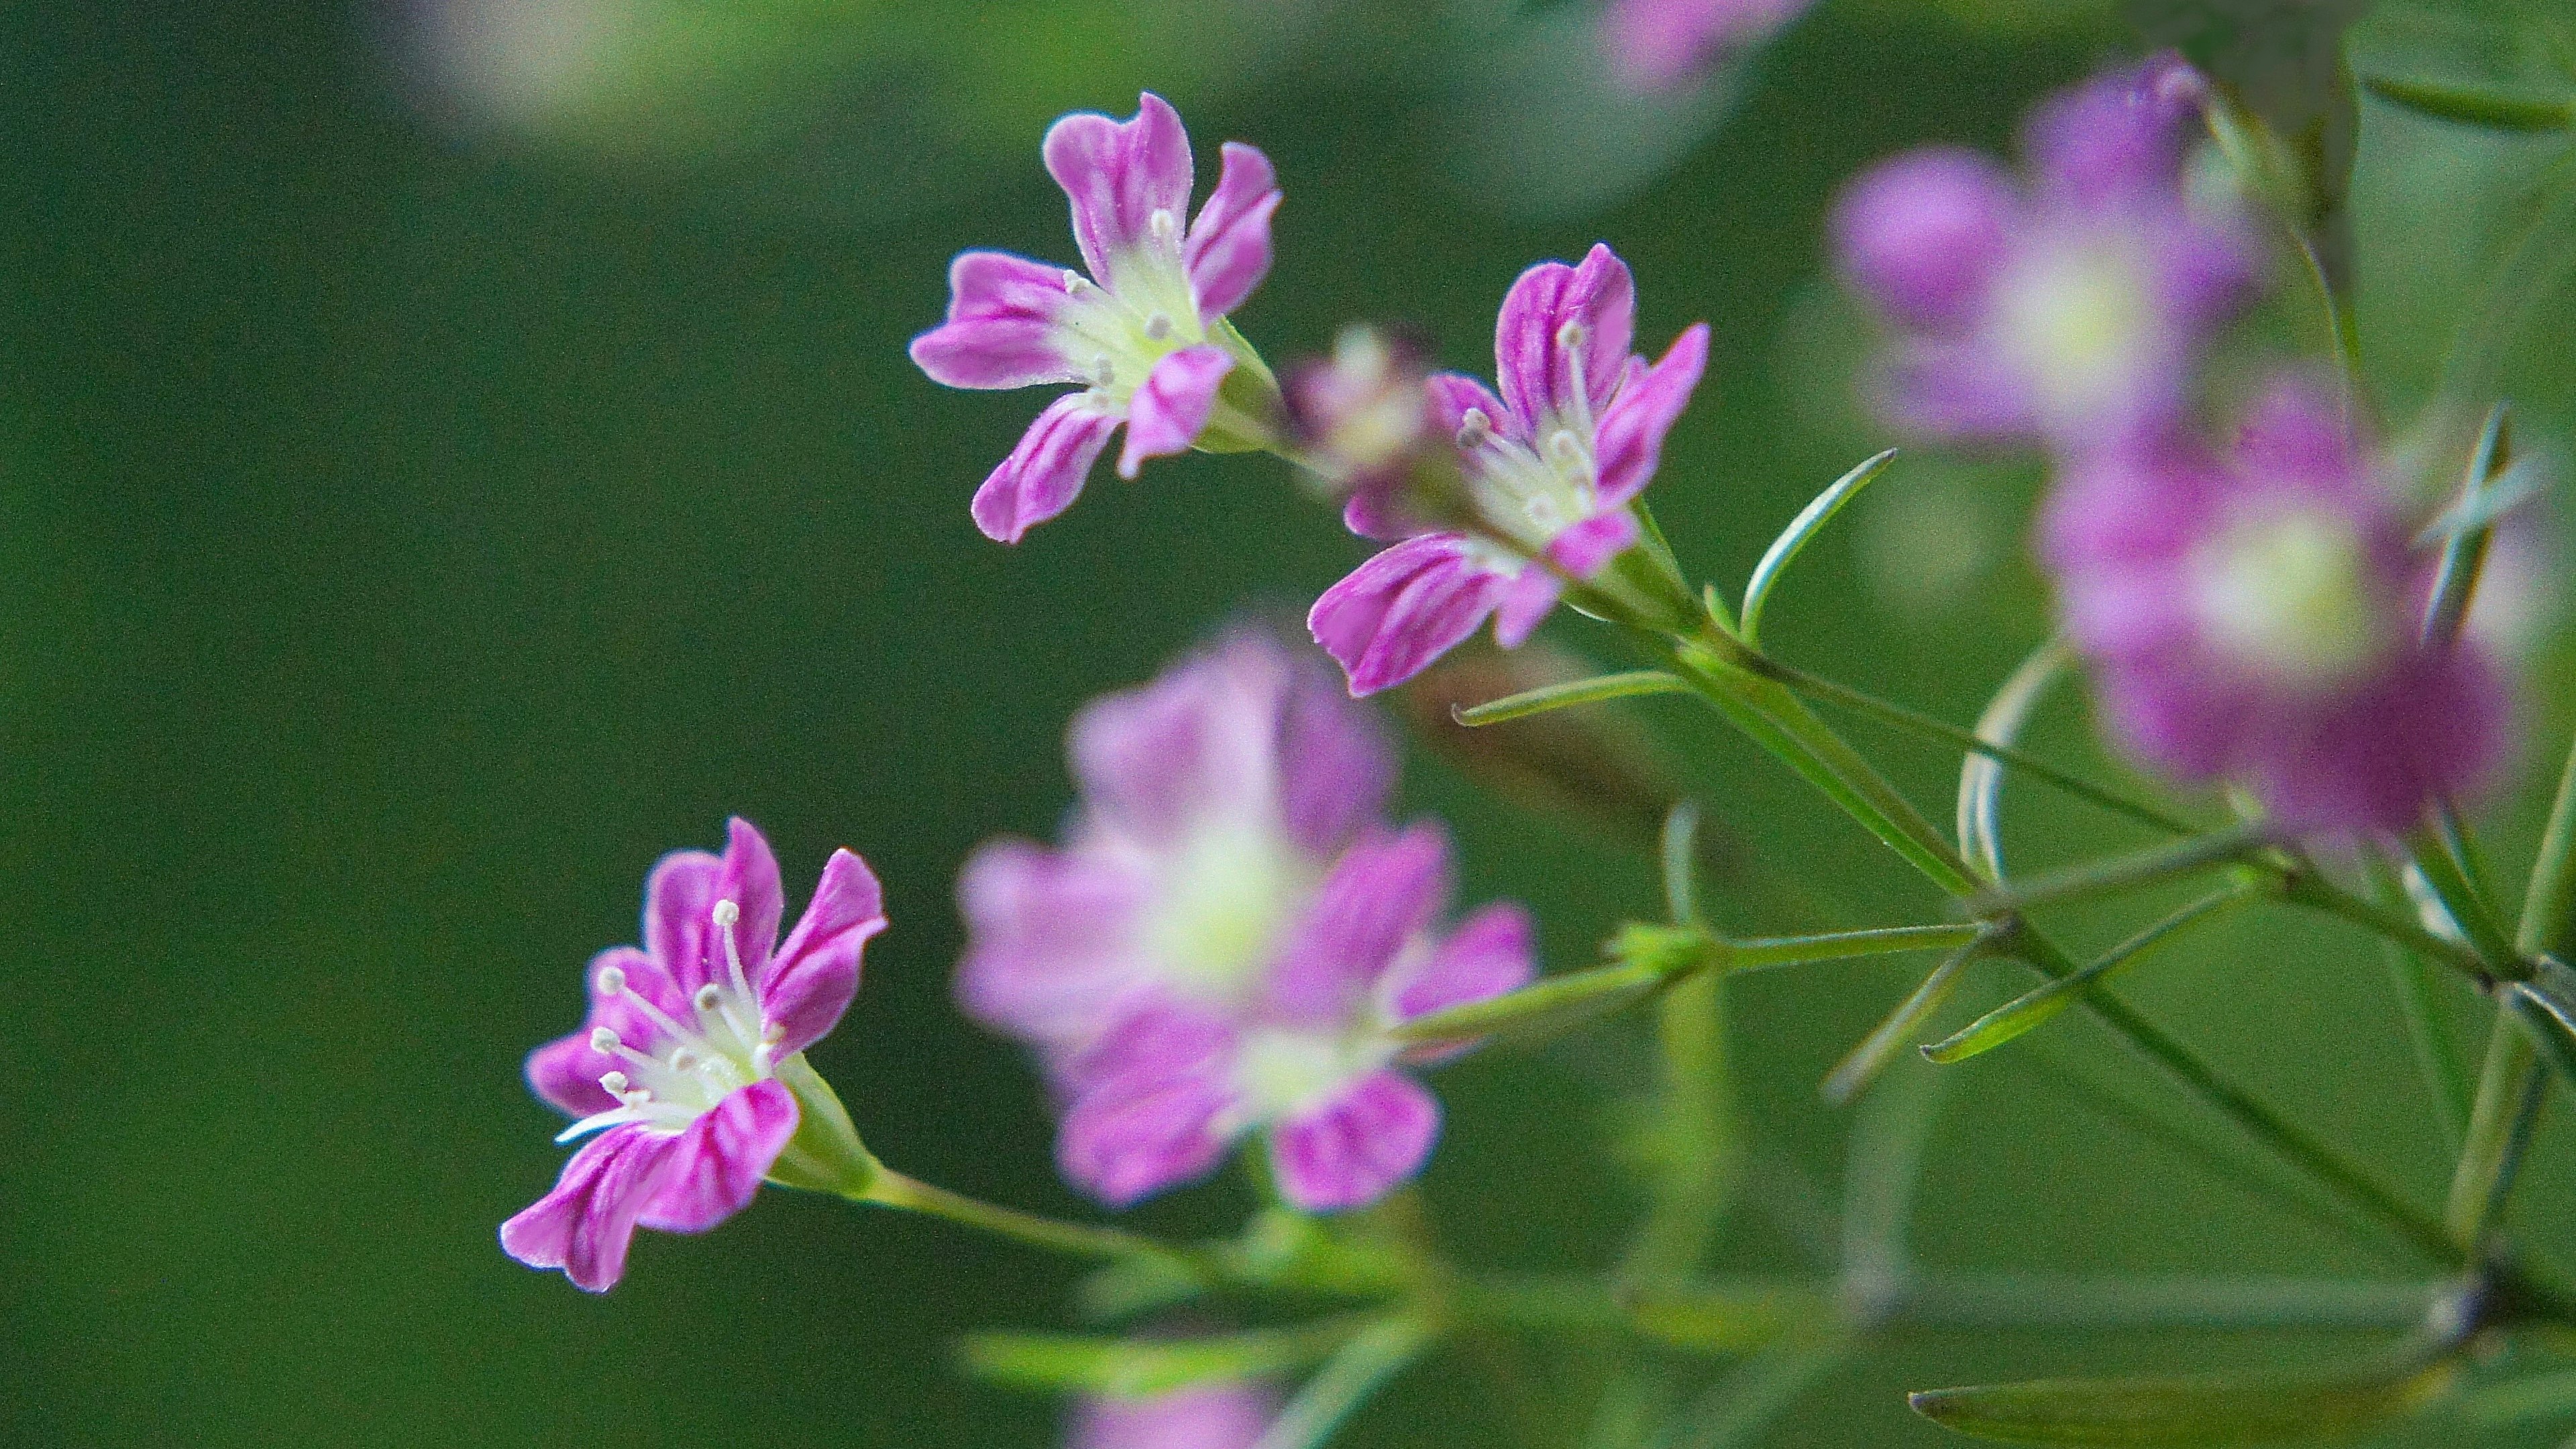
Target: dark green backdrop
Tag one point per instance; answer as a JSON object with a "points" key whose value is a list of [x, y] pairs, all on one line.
{"points": [[406, 537]]}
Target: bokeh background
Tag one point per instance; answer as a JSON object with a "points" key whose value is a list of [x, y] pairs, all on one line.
{"points": [[451, 453]]}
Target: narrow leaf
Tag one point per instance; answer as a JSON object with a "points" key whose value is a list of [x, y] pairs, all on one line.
{"points": [[2210, 1410], [1680, 851], [1731, 1318], [1981, 776], [1864, 1062], [1131, 1368], [2474, 105], [1375, 1355], [1802, 530], [2047, 999], [1581, 691], [2455, 580], [1549, 1006], [2546, 1007]]}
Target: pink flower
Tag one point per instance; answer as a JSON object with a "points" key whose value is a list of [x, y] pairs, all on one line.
{"points": [[1203, 1416], [678, 1068], [1551, 467], [1656, 45], [2070, 311], [1227, 935], [1144, 333], [2254, 617]]}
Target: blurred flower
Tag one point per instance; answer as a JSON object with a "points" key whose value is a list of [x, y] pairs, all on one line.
{"points": [[1145, 331], [678, 1067], [1230, 1415], [2254, 618], [1227, 936], [1551, 466], [1655, 45], [2071, 310], [1361, 423]]}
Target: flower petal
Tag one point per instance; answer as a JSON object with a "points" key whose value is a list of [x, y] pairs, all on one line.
{"points": [[717, 1164], [1002, 328], [1336, 764], [1199, 742], [2119, 134], [1631, 439], [679, 922], [1491, 952], [1409, 605], [749, 879], [585, 1223], [1220, 1415], [565, 1071], [1454, 395], [1118, 174], [1045, 473], [1585, 548], [1165, 415], [1924, 234], [1538, 372], [1051, 952], [1382, 893], [1358, 1147], [1228, 252], [1524, 604], [1151, 1108], [804, 991]]}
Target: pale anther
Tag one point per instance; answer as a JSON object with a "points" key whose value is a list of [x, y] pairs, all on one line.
{"points": [[1572, 336], [726, 913], [603, 1040], [612, 980], [707, 998], [1164, 224], [1158, 326], [1103, 372], [1474, 428], [1567, 447], [613, 1083], [684, 1060], [1075, 281], [773, 1032]]}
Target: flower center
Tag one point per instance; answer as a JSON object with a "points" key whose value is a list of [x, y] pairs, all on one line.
{"points": [[2288, 594], [1532, 494], [693, 1064], [1284, 1073], [1226, 896], [1116, 329], [2077, 318]]}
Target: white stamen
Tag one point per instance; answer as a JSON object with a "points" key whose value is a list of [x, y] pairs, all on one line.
{"points": [[764, 1057], [709, 997], [612, 980], [603, 1040], [1474, 429], [613, 1083], [1572, 336], [1158, 326], [1075, 281], [726, 914], [1163, 224]]}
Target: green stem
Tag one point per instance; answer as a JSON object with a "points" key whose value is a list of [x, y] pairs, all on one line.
{"points": [[2437, 1055], [1698, 1138], [2487, 1159], [2303, 886], [2128, 872], [2444, 872], [1081, 1240]]}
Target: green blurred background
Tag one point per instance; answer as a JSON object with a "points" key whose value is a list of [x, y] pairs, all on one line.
{"points": [[421, 506]]}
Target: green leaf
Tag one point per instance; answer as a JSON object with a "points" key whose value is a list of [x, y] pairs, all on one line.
{"points": [[1135, 1368], [2047, 999], [2464, 555], [2209, 1410], [1581, 691], [1864, 1062], [1543, 1008], [1802, 530], [1355, 1371], [2474, 105], [1732, 1318], [1680, 853], [2546, 1007], [1981, 777]]}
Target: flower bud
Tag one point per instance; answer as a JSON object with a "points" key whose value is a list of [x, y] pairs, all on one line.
{"points": [[1363, 427]]}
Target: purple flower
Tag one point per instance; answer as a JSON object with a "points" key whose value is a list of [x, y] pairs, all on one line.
{"points": [[1227, 935], [2070, 310], [677, 1070], [1361, 420], [1551, 466], [1144, 333], [2255, 618], [1203, 1416], [1656, 45]]}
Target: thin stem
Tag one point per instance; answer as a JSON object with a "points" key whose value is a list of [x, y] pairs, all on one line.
{"points": [[1773, 951], [2442, 870], [1699, 1145], [1081, 1240], [2511, 1072], [2437, 1055], [2036, 1006], [1345, 1382], [2303, 886], [2128, 872], [2549, 905]]}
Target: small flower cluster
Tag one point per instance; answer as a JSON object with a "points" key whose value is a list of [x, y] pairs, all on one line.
{"points": [[2251, 613]]}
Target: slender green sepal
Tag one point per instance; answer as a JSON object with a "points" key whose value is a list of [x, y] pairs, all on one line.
{"points": [[1140, 1367], [1769, 951], [2474, 105], [826, 1154], [1580, 691], [1862, 1064], [1346, 1380], [1801, 531], [2033, 1007], [2214, 1409], [1981, 775]]}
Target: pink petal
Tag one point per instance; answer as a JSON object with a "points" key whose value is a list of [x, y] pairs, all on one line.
{"points": [[1200, 741], [1404, 608], [1454, 395], [1631, 438], [1583, 549], [1118, 174], [1165, 415], [717, 1164], [1924, 235], [804, 991], [1045, 473], [1228, 252], [1149, 1115], [1490, 953], [1537, 372], [1225, 1415], [749, 879], [585, 1223], [566, 1072], [1336, 764], [1001, 330], [1524, 604], [1050, 941], [1382, 893], [1357, 1147], [679, 924]]}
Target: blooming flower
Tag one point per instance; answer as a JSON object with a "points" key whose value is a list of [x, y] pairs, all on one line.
{"points": [[1226, 1415], [1225, 939], [678, 1070], [2070, 311], [2254, 618], [1145, 332], [1551, 464], [1656, 45]]}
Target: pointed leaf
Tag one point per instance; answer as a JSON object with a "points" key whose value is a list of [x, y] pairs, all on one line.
{"points": [[1864, 1062], [2210, 1410], [2047, 999], [2546, 1007], [2474, 105], [1801, 531], [1981, 776], [1581, 691], [1132, 1368]]}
